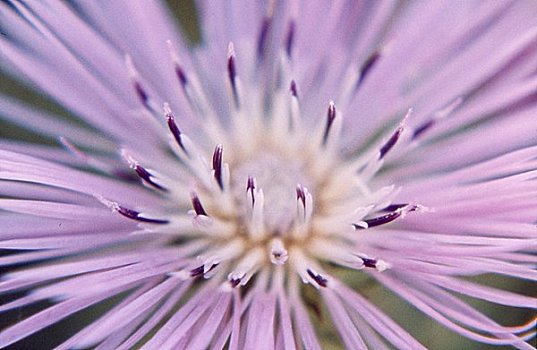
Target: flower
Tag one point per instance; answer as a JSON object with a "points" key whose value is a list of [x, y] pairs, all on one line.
{"points": [[234, 194]]}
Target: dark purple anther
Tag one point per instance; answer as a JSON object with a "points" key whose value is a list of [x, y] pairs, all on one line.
{"points": [[321, 281], [142, 94], [384, 219], [181, 75], [331, 115], [369, 262], [146, 175], [234, 282], [200, 270], [176, 132], [366, 67], [263, 37], [132, 214], [198, 208], [232, 74], [250, 186], [391, 142], [439, 114], [422, 128], [300, 194], [217, 165], [294, 90], [289, 40], [231, 68]]}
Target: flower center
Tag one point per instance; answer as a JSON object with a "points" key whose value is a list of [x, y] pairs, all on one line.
{"points": [[277, 177], [283, 198]]}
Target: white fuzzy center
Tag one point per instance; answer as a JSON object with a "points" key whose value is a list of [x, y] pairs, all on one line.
{"points": [[277, 177]]}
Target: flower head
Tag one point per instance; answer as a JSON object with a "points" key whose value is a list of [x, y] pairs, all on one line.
{"points": [[232, 194]]}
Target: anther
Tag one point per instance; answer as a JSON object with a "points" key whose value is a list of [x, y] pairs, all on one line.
{"points": [[442, 113], [381, 220], [263, 37], [196, 204], [232, 73], [234, 282], [147, 177], [395, 137], [217, 165], [250, 188], [387, 218], [331, 115], [377, 264], [367, 66], [142, 172], [293, 89], [174, 129], [289, 40], [135, 215], [422, 128], [320, 280], [181, 75], [304, 208], [300, 194], [140, 91], [177, 67], [201, 270]]}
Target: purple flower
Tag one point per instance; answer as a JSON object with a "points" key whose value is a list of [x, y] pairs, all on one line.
{"points": [[243, 193]]}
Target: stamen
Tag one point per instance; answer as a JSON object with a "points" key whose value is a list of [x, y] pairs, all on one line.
{"points": [[387, 218], [331, 115], [395, 137], [263, 37], [234, 282], [300, 195], [422, 128], [202, 270], [320, 280], [289, 40], [294, 106], [384, 219], [304, 210], [196, 203], [135, 215], [176, 132], [246, 268], [232, 73], [377, 264], [293, 89], [217, 165], [442, 113], [147, 177], [129, 213], [142, 172], [250, 189], [366, 67], [181, 75], [177, 67], [133, 74]]}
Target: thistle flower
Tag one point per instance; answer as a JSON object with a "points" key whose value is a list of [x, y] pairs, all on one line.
{"points": [[239, 193]]}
